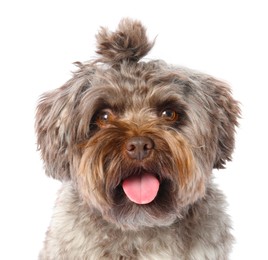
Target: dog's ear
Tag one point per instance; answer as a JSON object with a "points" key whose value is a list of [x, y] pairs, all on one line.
{"points": [[54, 124], [226, 114]]}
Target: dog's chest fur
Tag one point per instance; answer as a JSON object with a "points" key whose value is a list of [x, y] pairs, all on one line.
{"points": [[76, 233]]}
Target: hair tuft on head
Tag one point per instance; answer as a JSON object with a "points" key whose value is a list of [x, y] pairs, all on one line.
{"points": [[129, 42]]}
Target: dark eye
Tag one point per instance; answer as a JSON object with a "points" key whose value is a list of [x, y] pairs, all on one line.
{"points": [[170, 115], [104, 117]]}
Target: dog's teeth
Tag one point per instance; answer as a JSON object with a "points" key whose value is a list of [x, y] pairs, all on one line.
{"points": [[141, 189]]}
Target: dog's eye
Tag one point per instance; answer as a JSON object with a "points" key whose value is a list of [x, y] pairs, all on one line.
{"points": [[170, 115], [104, 118]]}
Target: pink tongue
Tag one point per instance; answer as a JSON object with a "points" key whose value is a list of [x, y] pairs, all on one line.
{"points": [[141, 189]]}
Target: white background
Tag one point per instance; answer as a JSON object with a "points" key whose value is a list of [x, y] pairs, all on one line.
{"points": [[39, 40]]}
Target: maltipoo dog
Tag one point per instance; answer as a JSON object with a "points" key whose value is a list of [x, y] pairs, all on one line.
{"points": [[134, 144]]}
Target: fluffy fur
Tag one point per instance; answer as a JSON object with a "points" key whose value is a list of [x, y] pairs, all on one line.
{"points": [[83, 129]]}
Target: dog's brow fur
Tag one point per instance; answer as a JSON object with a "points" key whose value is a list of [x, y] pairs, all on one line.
{"points": [[93, 218]]}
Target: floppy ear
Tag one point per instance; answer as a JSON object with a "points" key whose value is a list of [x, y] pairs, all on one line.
{"points": [[227, 112], [54, 126]]}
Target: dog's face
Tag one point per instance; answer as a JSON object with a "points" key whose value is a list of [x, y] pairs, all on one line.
{"points": [[138, 140]]}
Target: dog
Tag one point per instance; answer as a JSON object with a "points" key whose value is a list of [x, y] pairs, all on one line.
{"points": [[134, 144]]}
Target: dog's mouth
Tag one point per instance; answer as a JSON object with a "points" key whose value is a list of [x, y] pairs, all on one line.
{"points": [[141, 189], [143, 197], [144, 187]]}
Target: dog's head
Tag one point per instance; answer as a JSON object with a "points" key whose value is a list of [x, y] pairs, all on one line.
{"points": [[138, 139]]}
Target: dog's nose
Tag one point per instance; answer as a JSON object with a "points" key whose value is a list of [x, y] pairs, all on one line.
{"points": [[139, 147]]}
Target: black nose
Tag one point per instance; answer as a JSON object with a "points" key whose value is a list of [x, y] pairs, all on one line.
{"points": [[139, 147]]}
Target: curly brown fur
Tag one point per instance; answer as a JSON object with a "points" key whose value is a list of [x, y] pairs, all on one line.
{"points": [[185, 121], [128, 43]]}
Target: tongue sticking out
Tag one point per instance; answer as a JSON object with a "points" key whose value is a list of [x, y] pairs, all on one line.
{"points": [[141, 189]]}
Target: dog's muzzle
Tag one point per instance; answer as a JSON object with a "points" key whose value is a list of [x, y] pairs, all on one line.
{"points": [[142, 188]]}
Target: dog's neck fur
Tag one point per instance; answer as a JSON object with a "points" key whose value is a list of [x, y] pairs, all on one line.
{"points": [[76, 230]]}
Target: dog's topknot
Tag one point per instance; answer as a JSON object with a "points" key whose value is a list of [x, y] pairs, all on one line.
{"points": [[129, 42]]}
